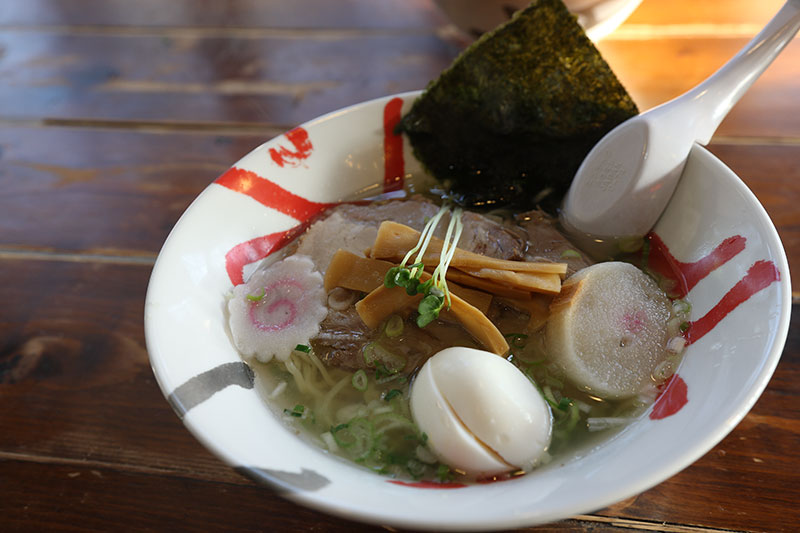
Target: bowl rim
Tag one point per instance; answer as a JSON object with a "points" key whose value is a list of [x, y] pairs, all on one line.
{"points": [[610, 496]]}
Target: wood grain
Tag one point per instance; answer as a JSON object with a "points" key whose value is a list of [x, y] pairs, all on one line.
{"points": [[710, 15], [373, 14], [769, 109], [87, 498], [383, 14], [77, 391], [114, 115], [144, 180], [281, 81], [75, 380], [772, 172], [270, 80], [105, 192]]}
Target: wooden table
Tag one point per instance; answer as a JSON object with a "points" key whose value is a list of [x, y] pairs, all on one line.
{"points": [[114, 114]]}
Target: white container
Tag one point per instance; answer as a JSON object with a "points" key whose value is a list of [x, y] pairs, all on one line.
{"points": [[226, 231]]}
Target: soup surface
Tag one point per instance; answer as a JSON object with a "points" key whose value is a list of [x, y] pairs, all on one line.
{"points": [[346, 386]]}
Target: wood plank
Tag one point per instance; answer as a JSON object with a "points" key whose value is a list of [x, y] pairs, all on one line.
{"points": [[719, 13], [145, 180], [272, 80], [103, 191], [773, 174], [285, 80], [655, 71], [86, 498], [231, 13], [373, 14], [77, 388], [75, 379]]}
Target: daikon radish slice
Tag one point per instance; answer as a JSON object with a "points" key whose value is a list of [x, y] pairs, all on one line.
{"points": [[608, 329]]}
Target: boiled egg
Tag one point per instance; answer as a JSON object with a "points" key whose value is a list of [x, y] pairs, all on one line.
{"points": [[480, 413]]}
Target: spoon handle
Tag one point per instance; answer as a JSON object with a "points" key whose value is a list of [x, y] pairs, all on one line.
{"points": [[718, 94]]}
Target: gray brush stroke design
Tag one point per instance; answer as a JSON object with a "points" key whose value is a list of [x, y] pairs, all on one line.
{"points": [[285, 482], [203, 386]]}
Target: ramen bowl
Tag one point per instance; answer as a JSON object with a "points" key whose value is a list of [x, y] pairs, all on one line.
{"points": [[714, 232]]}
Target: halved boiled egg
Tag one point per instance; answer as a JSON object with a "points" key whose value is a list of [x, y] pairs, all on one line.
{"points": [[480, 413]]}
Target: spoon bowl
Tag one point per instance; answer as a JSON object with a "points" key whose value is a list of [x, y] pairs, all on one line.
{"points": [[627, 179]]}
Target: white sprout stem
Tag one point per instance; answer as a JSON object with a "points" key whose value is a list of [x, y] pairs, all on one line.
{"points": [[448, 251], [422, 236], [425, 238], [452, 252], [437, 273]]}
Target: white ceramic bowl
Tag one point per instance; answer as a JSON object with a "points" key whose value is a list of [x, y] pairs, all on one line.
{"points": [[232, 225]]}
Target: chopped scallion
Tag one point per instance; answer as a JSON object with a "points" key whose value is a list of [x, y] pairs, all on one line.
{"points": [[257, 297], [570, 254], [297, 412], [394, 393], [360, 380], [394, 326], [443, 473], [302, 348], [517, 340]]}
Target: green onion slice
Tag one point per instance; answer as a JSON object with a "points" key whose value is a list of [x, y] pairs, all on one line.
{"points": [[257, 297], [374, 353], [391, 394], [357, 437], [297, 412], [360, 380], [517, 340], [394, 326]]}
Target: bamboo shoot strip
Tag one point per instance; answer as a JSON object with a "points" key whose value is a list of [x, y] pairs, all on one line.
{"points": [[382, 302], [538, 307], [394, 240], [487, 285], [544, 283], [350, 271]]}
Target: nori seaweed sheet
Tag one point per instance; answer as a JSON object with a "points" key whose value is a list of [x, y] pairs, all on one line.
{"points": [[510, 121]]}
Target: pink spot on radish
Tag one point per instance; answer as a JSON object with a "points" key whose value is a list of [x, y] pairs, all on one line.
{"points": [[634, 322]]}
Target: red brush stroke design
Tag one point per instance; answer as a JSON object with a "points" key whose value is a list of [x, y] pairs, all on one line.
{"points": [[672, 396], [293, 158], [256, 249], [674, 392], [759, 276], [428, 484], [273, 196], [686, 275], [270, 194], [393, 164]]}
